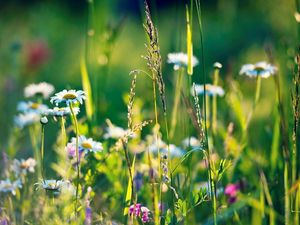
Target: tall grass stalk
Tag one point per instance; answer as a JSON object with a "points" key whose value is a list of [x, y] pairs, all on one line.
{"points": [[206, 146], [177, 92], [214, 102], [77, 156], [296, 114]]}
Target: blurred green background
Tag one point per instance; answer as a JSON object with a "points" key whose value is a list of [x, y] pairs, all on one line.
{"points": [[45, 40]]}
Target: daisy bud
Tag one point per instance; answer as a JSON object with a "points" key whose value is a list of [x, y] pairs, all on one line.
{"points": [[44, 120]]}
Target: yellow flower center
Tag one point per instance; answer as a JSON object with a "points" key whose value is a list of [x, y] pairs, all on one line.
{"points": [[7, 186], [69, 96], [86, 145], [259, 68], [34, 105], [24, 165]]}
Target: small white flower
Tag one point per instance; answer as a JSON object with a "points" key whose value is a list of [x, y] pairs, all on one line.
{"points": [[26, 107], [192, 142], [26, 119], [43, 88], [22, 166], [64, 111], [262, 69], [218, 65], [180, 59], [68, 97], [8, 186], [87, 144], [211, 90], [113, 131], [55, 186]]}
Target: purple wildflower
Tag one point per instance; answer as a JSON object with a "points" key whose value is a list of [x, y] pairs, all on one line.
{"points": [[231, 191], [138, 210]]}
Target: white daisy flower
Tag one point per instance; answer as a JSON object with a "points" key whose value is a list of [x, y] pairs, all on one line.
{"points": [[44, 89], [26, 119], [22, 166], [68, 97], [180, 59], [29, 106], [192, 142], [87, 144], [210, 89], [113, 131], [55, 186], [262, 69], [64, 111], [9, 186]]}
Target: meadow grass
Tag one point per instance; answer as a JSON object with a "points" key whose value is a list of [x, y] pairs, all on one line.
{"points": [[189, 154]]}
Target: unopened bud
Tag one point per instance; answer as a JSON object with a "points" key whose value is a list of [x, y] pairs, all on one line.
{"points": [[44, 120]]}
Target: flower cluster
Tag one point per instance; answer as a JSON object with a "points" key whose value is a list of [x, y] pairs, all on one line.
{"points": [[31, 111], [140, 211]]}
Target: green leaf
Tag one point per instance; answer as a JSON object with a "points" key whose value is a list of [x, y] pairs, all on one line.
{"points": [[129, 190], [189, 43], [87, 88]]}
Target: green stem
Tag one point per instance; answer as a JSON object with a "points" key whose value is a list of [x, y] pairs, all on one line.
{"points": [[63, 131], [77, 156], [11, 208], [257, 95], [42, 151], [155, 207], [36, 151], [286, 195], [214, 195], [214, 104], [176, 103]]}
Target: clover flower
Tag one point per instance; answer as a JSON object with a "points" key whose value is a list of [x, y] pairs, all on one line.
{"points": [[28, 107], [59, 112], [140, 211], [26, 119], [262, 69], [180, 59], [23, 166], [41, 89], [68, 97], [210, 90], [9, 186]]}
